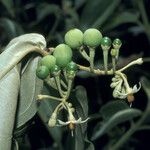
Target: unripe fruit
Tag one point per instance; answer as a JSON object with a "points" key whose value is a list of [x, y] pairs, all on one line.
{"points": [[48, 61], [42, 72], [92, 37], [74, 38], [117, 43], [55, 70], [106, 43], [72, 66], [63, 55]]}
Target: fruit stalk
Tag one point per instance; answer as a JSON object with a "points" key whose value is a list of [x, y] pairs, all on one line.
{"points": [[105, 59], [92, 55]]}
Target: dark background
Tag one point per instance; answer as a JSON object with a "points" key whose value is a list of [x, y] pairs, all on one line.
{"points": [[52, 18]]}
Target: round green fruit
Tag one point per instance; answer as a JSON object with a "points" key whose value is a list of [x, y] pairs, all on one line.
{"points": [[106, 42], [42, 72], [72, 66], [55, 70], [63, 55], [92, 37], [117, 43], [49, 61], [74, 38]]}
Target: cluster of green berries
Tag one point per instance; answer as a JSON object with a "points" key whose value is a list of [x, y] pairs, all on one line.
{"points": [[74, 39], [53, 64]]}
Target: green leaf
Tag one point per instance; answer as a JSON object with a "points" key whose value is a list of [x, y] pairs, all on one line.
{"points": [[9, 89], [122, 18], [102, 10], [45, 110], [117, 118], [80, 102], [17, 49], [146, 86], [30, 87], [45, 9], [9, 27], [79, 3], [109, 109], [9, 6]]}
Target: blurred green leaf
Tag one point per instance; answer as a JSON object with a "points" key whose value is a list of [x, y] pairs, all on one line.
{"points": [[9, 6], [45, 110], [30, 87], [95, 13], [121, 18], [146, 86], [80, 102], [9, 27], [117, 118], [45, 9], [17, 49], [109, 109], [79, 3]]}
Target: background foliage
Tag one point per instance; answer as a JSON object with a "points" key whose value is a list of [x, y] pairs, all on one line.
{"points": [[126, 19]]}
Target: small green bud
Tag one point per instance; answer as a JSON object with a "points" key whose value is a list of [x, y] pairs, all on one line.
{"points": [[74, 38], [63, 55], [49, 61], [105, 43], [92, 37], [117, 43], [55, 70], [72, 66], [42, 72], [113, 52]]}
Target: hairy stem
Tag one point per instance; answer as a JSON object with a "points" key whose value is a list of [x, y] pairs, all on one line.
{"points": [[84, 54], [92, 55], [41, 97], [57, 80]]}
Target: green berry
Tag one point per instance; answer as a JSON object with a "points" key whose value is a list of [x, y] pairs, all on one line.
{"points": [[92, 37], [117, 43], [63, 55], [74, 38], [42, 72], [106, 43], [55, 70], [48, 61], [72, 66]]}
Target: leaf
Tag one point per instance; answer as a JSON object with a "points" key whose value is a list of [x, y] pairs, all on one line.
{"points": [[80, 100], [122, 18], [30, 87], [102, 10], [9, 89], [79, 3], [17, 49], [45, 9], [45, 110], [117, 118], [9, 27], [9, 6], [146, 86], [109, 109]]}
